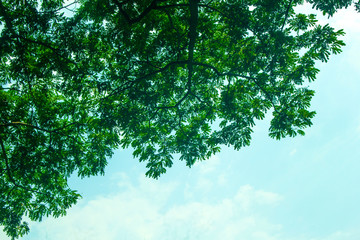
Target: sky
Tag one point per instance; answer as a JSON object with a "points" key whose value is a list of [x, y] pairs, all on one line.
{"points": [[302, 188]]}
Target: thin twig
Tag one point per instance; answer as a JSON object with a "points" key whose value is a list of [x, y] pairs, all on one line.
{"points": [[131, 83], [56, 10]]}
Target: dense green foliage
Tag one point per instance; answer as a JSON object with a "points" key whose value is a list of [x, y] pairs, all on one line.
{"points": [[165, 77]]}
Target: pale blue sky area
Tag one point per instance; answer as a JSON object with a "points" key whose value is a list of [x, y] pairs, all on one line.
{"points": [[303, 188]]}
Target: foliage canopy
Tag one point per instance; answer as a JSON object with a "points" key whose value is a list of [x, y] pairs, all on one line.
{"points": [[162, 76]]}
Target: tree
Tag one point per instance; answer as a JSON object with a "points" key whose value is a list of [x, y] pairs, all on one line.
{"points": [[165, 77]]}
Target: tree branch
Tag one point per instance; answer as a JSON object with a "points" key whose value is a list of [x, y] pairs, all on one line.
{"points": [[147, 10], [8, 22], [138, 18], [159, 7], [57, 130], [242, 76], [6, 16], [36, 127], [9, 171], [177, 104], [6, 161], [286, 14], [213, 9], [24, 124], [56, 10], [259, 86], [131, 83], [55, 50], [193, 22]]}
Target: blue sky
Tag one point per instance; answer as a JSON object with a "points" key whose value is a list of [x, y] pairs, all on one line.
{"points": [[303, 188]]}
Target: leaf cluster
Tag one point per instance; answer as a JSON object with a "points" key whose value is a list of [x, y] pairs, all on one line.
{"points": [[166, 78]]}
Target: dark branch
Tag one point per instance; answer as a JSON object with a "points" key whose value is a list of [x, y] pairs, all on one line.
{"points": [[209, 66], [36, 127], [14, 124], [177, 104], [9, 25], [286, 14], [193, 22], [147, 10], [6, 17], [57, 130], [213, 9], [160, 7], [138, 18], [63, 7], [55, 50]]}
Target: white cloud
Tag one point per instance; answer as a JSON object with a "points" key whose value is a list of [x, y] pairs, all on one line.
{"points": [[347, 18], [209, 174], [210, 166], [140, 211], [341, 235], [249, 198]]}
